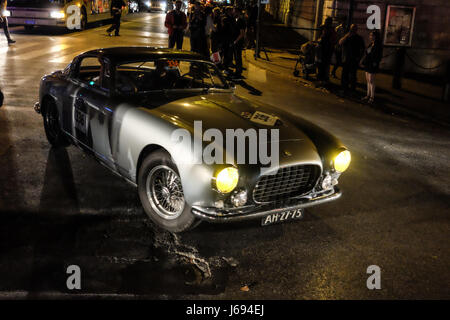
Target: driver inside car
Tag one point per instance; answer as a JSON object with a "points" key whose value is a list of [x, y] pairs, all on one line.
{"points": [[161, 78]]}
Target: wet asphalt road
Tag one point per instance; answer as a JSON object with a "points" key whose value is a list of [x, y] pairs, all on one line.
{"points": [[60, 207]]}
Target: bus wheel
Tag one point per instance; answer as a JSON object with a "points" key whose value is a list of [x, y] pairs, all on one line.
{"points": [[83, 22]]}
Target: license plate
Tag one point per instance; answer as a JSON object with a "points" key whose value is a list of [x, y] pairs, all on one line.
{"points": [[30, 22], [282, 216]]}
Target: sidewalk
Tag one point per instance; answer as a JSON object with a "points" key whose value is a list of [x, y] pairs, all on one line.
{"points": [[415, 99]]}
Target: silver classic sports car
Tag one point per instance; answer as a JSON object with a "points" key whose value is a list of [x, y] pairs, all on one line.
{"points": [[169, 123]]}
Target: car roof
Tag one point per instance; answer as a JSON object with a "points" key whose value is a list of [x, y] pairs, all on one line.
{"points": [[119, 54]]}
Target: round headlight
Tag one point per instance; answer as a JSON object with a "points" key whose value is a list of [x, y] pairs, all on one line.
{"points": [[342, 161], [227, 179]]}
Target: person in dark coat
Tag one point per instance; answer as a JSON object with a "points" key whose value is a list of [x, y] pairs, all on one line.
{"points": [[116, 13], [326, 45], [176, 22], [371, 62], [228, 27], [352, 50], [340, 32], [197, 23], [239, 28]]}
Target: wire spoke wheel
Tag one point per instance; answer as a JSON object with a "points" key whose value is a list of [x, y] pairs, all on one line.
{"points": [[164, 192]]}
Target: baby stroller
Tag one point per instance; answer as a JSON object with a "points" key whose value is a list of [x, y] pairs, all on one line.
{"points": [[307, 59]]}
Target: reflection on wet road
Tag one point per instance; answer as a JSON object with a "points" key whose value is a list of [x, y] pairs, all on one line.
{"points": [[60, 207]]}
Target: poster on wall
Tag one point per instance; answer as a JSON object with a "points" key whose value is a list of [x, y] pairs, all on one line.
{"points": [[399, 26]]}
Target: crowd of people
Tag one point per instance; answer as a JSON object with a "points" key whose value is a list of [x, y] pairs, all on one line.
{"points": [[218, 32], [222, 32], [350, 53]]}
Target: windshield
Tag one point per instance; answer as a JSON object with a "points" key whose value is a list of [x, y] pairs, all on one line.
{"points": [[166, 74], [35, 3]]}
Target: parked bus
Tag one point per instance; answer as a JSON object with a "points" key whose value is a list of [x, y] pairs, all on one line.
{"points": [[58, 13]]}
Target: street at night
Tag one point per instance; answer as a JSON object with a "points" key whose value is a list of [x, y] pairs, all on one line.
{"points": [[60, 207]]}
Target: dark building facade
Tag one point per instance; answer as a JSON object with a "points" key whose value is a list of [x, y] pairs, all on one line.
{"points": [[427, 53]]}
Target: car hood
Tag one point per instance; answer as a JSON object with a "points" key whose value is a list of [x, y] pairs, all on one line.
{"points": [[227, 111]]}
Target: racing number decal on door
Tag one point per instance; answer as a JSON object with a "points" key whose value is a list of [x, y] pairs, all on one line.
{"points": [[81, 120]]}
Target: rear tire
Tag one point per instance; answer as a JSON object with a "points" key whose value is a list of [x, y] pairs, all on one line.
{"points": [[53, 131], [161, 193]]}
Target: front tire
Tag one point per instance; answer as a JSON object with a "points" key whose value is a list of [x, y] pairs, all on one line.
{"points": [[161, 193], [53, 131]]}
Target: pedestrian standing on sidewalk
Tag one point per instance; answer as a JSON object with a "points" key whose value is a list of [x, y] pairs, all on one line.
{"points": [[352, 50], [371, 62], [116, 13], [176, 23], [4, 21], [216, 30], [209, 27], [340, 32], [325, 49], [251, 25], [197, 23], [238, 42], [227, 33]]}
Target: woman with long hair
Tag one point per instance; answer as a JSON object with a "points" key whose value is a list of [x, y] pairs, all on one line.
{"points": [[371, 63]]}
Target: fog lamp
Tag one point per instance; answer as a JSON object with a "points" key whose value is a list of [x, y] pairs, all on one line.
{"points": [[327, 183], [239, 198], [219, 204], [227, 179], [342, 161]]}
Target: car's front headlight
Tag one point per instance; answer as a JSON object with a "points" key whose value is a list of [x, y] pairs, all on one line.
{"points": [[6, 13], [227, 179], [342, 161], [57, 14]]}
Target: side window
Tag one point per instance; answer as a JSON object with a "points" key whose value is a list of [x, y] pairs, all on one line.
{"points": [[90, 72]]}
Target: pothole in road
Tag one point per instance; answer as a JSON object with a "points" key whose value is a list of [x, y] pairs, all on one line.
{"points": [[169, 266]]}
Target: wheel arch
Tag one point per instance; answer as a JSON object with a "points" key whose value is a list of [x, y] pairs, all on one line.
{"points": [[148, 149]]}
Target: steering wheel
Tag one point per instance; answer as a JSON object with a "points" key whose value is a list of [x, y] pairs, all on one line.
{"points": [[181, 78], [126, 80]]}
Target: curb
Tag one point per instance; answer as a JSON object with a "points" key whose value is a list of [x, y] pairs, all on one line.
{"points": [[388, 107]]}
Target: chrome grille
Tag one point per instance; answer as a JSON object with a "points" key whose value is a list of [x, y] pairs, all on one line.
{"points": [[288, 182]]}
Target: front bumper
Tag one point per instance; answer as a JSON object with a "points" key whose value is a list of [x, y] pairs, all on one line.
{"points": [[254, 212]]}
